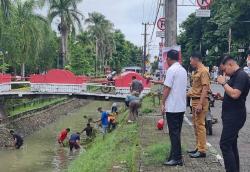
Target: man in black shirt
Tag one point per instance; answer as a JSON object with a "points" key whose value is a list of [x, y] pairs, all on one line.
{"points": [[18, 140], [88, 130], [233, 111]]}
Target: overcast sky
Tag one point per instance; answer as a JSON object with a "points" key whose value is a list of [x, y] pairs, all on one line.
{"points": [[128, 15]]}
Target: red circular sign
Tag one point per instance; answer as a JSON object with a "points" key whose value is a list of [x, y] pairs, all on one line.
{"points": [[161, 23], [204, 3]]}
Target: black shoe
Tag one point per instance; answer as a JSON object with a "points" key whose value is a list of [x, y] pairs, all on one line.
{"points": [[173, 163], [198, 155], [192, 151]]}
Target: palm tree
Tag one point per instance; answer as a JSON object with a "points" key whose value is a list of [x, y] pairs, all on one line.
{"points": [[101, 31], [67, 11], [28, 29], [5, 5]]}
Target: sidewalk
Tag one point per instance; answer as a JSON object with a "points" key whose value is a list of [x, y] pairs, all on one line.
{"points": [[152, 139]]}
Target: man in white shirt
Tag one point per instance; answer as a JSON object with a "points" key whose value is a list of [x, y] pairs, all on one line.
{"points": [[174, 105]]}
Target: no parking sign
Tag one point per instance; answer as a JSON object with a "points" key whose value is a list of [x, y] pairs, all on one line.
{"points": [[204, 3]]}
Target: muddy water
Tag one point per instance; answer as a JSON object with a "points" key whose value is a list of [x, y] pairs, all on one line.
{"points": [[40, 152]]}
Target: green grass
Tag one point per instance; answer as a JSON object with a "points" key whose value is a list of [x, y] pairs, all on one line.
{"points": [[147, 105], [119, 148], [155, 154], [35, 106]]}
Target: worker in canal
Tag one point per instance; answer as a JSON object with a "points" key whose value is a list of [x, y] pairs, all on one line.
{"points": [[88, 130], [74, 141], [104, 120], [62, 136], [112, 121], [18, 140], [114, 108]]}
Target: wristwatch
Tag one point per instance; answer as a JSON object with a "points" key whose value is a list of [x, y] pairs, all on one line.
{"points": [[223, 84]]}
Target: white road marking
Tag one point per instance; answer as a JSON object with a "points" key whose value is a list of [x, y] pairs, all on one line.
{"points": [[210, 146]]}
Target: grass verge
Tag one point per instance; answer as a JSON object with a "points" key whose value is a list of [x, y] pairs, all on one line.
{"points": [[117, 150], [147, 105], [35, 106], [154, 154]]}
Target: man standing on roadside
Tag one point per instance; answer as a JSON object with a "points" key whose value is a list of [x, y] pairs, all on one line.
{"points": [[174, 105], [233, 111], [199, 96]]}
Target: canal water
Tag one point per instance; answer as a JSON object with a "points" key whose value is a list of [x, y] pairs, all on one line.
{"points": [[41, 152]]}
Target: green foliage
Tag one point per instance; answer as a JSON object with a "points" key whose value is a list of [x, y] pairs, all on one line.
{"points": [[70, 17], [214, 31], [119, 148], [147, 105], [33, 47], [34, 106], [101, 45], [154, 154]]}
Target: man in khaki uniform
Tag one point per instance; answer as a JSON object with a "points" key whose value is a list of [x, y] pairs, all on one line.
{"points": [[199, 97]]}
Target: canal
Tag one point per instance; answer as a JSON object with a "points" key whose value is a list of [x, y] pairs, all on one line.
{"points": [[40, 152]]}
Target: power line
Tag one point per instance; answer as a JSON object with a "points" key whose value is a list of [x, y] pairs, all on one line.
{"points": [[156, 17]]}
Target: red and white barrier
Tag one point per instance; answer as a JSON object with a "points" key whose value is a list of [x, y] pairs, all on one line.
{"points": [[5, 82], [58, 81], [123, 83]]}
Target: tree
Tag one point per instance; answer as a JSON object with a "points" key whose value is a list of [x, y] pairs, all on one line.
{"points": [[101, 32], [5, 7], [26, 32], [70, 17], [213, 33]]}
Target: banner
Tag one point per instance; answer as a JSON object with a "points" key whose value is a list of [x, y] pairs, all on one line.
{"points": [[165, 55]]}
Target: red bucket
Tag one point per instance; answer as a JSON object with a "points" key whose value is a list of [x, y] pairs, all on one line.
{"points": [[160, 124]]}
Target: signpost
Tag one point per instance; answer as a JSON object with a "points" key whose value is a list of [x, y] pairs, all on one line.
{"points": [[204, 3], [241, 50], [160, 34], [161, 24], [204, 8], [203, 13]]}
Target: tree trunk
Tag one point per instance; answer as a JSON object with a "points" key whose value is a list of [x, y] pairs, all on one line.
{"points": [[96, 53], [23, 71], [64, 43]]}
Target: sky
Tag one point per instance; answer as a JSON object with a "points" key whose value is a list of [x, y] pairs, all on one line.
{"points": [[128, 15]]}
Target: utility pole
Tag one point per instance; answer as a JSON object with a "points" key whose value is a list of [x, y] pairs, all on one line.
{"points": [[170, 23], [229, 40], [144, 47]]}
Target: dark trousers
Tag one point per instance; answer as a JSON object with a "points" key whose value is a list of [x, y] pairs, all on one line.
{"points": [[175, 121], [73, 145], [228, 142], [18, 145]]}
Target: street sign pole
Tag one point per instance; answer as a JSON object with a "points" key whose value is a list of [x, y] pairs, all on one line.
{"points": [[170, 22]]}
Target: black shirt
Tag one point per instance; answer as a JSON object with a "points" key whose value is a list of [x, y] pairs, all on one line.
{"points": [[88, 131], [19, 139], [239, 80]]}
